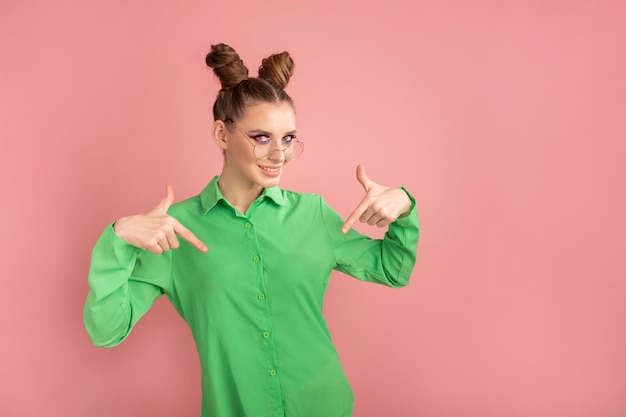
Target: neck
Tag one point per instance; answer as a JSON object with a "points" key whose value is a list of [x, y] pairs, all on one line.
{"points": [[238, 193]]}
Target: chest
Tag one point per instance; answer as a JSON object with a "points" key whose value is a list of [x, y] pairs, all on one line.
{"points": [[282, 252]]}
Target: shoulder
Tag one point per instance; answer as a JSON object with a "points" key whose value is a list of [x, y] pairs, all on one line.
{"points": [[192, 205], [299, 198], [311, 205]]}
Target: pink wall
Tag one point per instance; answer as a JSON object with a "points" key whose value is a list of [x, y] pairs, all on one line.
{"points": [[505, 119]]}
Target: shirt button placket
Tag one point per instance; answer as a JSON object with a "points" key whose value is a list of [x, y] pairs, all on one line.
{"points": [[266, 335]]}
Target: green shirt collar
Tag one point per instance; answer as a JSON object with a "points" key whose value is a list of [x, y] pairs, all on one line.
{"points": [[211, 195]]}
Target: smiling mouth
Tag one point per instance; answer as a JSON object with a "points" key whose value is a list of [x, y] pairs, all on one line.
{"points": [[269, 169]]}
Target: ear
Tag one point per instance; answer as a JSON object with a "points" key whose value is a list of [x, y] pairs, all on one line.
{"points": [[219, 134]]}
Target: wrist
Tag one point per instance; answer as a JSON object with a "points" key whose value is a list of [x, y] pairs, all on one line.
{"points": [[410, 203], [119, 226]]}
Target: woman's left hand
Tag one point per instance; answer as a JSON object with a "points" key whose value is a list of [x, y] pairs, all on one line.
{"points": [[380, 206]]}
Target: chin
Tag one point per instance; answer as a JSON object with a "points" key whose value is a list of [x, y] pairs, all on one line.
{"points": [[267, 182]]}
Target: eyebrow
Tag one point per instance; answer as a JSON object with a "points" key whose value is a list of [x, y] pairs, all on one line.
{"points": [[266, 133]]}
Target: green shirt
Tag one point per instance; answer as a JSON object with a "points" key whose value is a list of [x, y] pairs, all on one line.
{"points": [[254, 301]]}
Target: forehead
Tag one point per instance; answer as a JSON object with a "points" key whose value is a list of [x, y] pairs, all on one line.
{"points": [[269, 116]]}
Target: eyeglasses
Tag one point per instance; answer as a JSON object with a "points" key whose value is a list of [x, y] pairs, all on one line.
{"points": [[262, 147]]}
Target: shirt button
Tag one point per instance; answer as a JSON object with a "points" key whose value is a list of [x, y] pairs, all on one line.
{"points": [[266, 335], [255, 259], [261, 296], [248, 225], [273, 372]]}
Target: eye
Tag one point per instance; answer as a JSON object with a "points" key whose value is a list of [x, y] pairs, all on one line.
{"points": [[288, 139], [261, 139]]}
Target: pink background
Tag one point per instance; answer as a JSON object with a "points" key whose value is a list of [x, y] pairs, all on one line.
{"points": [[505, 119]]}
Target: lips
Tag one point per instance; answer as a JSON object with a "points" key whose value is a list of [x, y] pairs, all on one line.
{"points": [[270, 171]]}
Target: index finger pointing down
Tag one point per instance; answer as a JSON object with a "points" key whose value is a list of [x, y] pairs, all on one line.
{"points": [[186, 234], [360, 209]]}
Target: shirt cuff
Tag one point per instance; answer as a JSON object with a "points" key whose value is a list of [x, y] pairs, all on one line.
{"points": [[412, 211], [112, 260]]}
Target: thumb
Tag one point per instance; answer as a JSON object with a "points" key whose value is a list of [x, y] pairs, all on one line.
{"points": [[167, 201], [363, 179]]}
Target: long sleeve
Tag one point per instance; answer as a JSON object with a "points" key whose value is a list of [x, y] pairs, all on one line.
{"points": [[124, 281], [387, 261]]}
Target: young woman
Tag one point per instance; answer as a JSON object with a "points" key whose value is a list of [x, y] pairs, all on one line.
{"points": [[251, 270]]}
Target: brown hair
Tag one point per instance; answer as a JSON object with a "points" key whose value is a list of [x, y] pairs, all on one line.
{"points": [[238, 90]]}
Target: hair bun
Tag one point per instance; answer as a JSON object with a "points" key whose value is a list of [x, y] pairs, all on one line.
{"points": [[277, 69], [227, 65]]}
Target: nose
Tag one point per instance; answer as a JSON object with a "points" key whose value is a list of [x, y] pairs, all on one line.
{"points": [[277, 151], [277, 155]]}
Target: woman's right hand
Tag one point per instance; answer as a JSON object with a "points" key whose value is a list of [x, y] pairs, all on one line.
{"points": [[155, 230]]}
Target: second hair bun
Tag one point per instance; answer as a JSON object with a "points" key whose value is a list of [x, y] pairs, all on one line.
{"points": [[278, 69]]}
